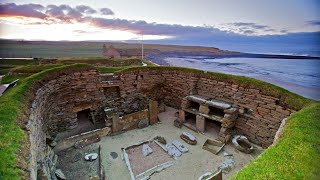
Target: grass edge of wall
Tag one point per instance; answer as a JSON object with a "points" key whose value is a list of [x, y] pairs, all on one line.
{"points": [[14, 108]]}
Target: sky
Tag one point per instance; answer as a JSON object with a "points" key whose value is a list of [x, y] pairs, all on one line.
{"points": [[201, 22]]}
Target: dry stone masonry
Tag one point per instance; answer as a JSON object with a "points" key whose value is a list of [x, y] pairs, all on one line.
{"points": [[130, 99]]}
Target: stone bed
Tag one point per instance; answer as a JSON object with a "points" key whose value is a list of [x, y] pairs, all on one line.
{"points": [[140, 164]]}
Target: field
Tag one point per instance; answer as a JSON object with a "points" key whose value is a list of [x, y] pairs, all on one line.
{"points": [[50, 49]]}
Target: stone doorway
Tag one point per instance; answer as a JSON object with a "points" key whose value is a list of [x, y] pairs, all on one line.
{"points": [[85, 123], [84, 116]]}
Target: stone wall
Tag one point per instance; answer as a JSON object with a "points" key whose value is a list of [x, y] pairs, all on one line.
{"points": [[54, 110], [260, 115], [130, 121], [57, 101]]}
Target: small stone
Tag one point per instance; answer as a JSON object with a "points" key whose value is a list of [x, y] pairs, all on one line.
{"points": [[226, 154], [146, 150], [143, 123], [60, 174], [94, 178], [53, 143], [227, 165], [161, 139], [114, 155], [76, 157], [177, 123], [91, 156]]}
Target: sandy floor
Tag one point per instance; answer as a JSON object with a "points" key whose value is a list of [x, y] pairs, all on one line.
{"points": [[190, 165]]}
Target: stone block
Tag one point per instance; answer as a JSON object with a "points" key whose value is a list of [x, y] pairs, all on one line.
{"points": [[200, 123], [153, 112], [143, 123], [204, 109], [182, 116]]}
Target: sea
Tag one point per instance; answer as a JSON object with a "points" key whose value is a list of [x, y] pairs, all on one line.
{"points": [[300, 76]]}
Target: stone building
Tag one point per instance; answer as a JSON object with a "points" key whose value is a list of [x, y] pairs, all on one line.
{"points": [[110, 52]]}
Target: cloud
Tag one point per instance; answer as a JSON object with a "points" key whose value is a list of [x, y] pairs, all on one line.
{"points": [[25, 10], [314, 23], [106, 11], [146, 28], [251, 25], [63, 12], [85, 14], [248, 28], [85, 9]]}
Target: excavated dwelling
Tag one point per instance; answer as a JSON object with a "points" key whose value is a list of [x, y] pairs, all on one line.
{"points": [[68, 106]]}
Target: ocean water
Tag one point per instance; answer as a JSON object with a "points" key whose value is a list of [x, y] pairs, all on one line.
{"points": [[299, 76]]}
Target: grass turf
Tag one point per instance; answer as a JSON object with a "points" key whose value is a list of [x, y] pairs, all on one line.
{"points": [[9, 78], [296, 156], [31, 69], [18, 61]]}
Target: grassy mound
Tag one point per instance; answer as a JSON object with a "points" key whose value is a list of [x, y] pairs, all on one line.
{"points": [[31, 69], [98, 60], [9, 78]]}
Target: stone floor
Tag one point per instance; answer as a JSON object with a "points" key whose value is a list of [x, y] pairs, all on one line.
{"points": [[190, 165]]}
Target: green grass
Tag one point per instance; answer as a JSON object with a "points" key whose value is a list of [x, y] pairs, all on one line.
{"points": [[18, 61], [287, 98], [296, 156], [9, 78], [13, 106], [104, 69], [4, 71], [149, 63], [31, 69], [98, 60], [50, 50]]}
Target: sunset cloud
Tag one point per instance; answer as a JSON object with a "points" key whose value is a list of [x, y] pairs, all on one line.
{"points": [[25, 10], [100, 21], [82, 14]]}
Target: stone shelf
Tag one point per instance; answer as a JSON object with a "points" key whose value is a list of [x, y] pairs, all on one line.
{"points": [[196, 112], [209, 102]]}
